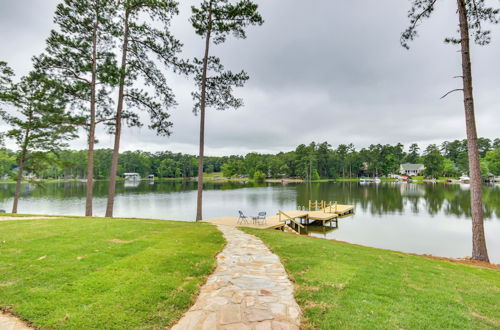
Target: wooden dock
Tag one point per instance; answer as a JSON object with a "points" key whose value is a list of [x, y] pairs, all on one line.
{"points": [[330, 207], [294, 221]]}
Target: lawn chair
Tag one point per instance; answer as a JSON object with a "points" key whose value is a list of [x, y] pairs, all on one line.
{"points": [[242, 219], [261, 218]]}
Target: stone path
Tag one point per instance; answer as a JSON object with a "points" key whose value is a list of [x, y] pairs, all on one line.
{"points": [[8, 322], [249, 289]]}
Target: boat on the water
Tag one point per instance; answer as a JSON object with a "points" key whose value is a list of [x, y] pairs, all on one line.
{"points": [[369, 180], [464, 179]]}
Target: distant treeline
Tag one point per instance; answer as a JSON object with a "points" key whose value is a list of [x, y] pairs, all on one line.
{"points": [[311, 162]]}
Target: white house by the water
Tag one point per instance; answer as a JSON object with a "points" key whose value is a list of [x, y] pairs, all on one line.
{"points": [[411, 169]]}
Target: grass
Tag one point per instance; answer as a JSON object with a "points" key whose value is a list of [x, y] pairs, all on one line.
{"points": [[101, 273], [343, 286]]}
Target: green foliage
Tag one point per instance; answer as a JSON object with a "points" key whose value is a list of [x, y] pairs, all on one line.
{"points": [[222, 18], [7, 162], [305, 160], [68, 54], [478, 14], [484, 168], [449, 169], [41, 122], [214, 20], [259, 176], [433, 161], [315, 175], [95, 274], [229, 169], [413, 156], [147, 48], [326, 161], [493, 160], [6, 74], [382, 289]]}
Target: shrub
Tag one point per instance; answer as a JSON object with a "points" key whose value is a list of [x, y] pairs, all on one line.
{"points": [[259, 176]]}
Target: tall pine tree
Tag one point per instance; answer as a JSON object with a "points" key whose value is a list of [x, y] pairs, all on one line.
{"points": [[214, 21], [472, 14], [146, 47], [40, 122], [6, 75], [79, 53]]}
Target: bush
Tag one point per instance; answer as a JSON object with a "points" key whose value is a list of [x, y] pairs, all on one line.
{"points": [[315, 175], [259, 176]]}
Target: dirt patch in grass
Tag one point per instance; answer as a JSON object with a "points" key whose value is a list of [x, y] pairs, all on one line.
{"points": [[486, 319], [119, 241]]}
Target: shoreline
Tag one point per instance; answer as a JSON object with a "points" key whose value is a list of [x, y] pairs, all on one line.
{"points": [[219, 179]]}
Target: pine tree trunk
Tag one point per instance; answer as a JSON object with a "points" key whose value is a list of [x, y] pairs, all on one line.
{"points": [[18, 182], [118, 123], [22, 159], [199, 204], [92, 124], [479, 251]]}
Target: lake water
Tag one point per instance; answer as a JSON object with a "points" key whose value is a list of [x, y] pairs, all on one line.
{"points": [[417, 218]]}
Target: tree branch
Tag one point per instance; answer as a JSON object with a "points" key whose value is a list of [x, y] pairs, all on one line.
{"points": [[452, 91], [72, 72], [104, 120], [419, 16]]}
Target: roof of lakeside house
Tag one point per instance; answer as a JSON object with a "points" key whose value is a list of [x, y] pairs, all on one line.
{"points": [[412, 167]]}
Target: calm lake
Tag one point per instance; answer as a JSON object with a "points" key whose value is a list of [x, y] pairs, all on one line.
{"points": [[418, 218]]}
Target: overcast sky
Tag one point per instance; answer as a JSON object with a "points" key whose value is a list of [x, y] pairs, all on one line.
{"points": [[320, 70]]}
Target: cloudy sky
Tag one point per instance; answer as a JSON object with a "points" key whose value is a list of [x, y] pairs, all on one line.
{"points": [[320, 70]]}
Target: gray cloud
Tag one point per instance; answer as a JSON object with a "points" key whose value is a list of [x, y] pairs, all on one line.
{"points": [[320, 70]]}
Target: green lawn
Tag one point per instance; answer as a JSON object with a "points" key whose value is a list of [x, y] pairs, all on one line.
{"points": [[342, 286], [102, 273]]}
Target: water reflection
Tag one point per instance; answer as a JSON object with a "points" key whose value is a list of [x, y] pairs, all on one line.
{"points": [[397, 197], [393, 198]]}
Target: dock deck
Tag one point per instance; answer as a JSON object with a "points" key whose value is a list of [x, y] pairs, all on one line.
{"points": [[339, 209], [293, 219], [271, 223]]}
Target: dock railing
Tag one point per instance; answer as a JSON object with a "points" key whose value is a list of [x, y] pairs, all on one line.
{"points": [[323, 205], [287, 217]]}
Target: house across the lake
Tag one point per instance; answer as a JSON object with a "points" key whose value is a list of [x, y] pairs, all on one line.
{"points": [[411, 169], [132, 176]]}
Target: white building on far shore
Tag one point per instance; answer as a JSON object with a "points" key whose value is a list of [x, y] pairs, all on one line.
{"points": [[411, 169]]}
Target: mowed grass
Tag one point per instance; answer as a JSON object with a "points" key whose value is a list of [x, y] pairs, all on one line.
{"points": [[343, 286], [102, 273]]}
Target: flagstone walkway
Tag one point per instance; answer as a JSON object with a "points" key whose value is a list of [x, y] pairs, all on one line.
{"points": [[249, 289], [8, 322]]}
